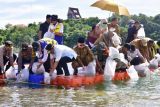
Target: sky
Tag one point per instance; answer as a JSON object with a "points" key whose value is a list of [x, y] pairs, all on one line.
{"points": [[29, 11]]}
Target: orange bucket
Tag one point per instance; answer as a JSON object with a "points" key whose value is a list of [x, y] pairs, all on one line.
{"points": [[88, 80], [76, 81], [67, 81], [98, 79], [120, 76], [2, 81], [60, 80]]}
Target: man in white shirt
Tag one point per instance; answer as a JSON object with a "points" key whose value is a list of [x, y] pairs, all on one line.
{"points": [[62, 55], [43, 56]]}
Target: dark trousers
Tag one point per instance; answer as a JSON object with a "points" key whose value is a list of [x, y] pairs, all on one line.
{"points": [[47, 64], [24, 61], [6, 61], [63, 64]]}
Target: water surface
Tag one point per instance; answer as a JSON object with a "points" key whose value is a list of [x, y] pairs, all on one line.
{"points": [[142, 93]]}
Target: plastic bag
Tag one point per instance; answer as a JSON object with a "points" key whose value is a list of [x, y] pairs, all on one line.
{"points": [[123, 59], [109, 70], [132, 73], [47, 78], [91, 69], [113, 53], [141, 32], [23, 75], [141, 68], [11, 73], [37, 70], [116, 39], [155, 62]]}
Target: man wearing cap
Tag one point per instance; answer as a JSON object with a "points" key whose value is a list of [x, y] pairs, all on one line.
{"points": [[62, 55], [44, 57], [85, 55], [25, 56], [6, 55], [44, 27], [56, 27]]}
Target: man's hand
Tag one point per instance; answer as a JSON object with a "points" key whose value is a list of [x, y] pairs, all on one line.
{"points": [[40, 61]]}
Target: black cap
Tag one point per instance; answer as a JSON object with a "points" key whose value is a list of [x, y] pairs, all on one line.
{"points": [[54, 17], [8, 43], [24, 46], [81, 40], [35, 45], [48, 16], [127, 45], [49, 47]]}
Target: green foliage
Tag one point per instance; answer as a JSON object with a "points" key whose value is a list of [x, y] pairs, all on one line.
{"points": [[75, 28]]}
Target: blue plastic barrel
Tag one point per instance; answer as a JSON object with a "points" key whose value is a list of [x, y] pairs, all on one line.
{"points": [[36, 80]]}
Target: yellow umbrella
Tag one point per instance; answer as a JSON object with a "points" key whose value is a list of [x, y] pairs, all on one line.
{"points": [[110, 5], [123, 11], [106, 5]]}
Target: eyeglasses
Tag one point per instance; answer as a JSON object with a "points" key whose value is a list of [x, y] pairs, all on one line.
{"points": [[81, 45], [104, 23]]}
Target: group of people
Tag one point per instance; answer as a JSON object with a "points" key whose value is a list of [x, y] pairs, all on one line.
{"points": [[91, 53], [52, 28]]}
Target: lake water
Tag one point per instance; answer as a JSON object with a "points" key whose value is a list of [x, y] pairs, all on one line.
{"points": [[144, 92]]}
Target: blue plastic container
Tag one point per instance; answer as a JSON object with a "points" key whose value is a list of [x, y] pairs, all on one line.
{"points": [[36, 80]]}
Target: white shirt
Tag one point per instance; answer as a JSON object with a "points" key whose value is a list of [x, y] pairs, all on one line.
{"points": [[62, 51], [134, 54], [52, 27], [49, 35]]}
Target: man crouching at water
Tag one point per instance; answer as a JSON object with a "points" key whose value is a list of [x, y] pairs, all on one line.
{"points": [[85, 55], [6, 55], [26, 56], [62, 55]]}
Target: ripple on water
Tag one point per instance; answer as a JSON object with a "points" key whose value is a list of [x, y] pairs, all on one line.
{"points": [[141, 93]]}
